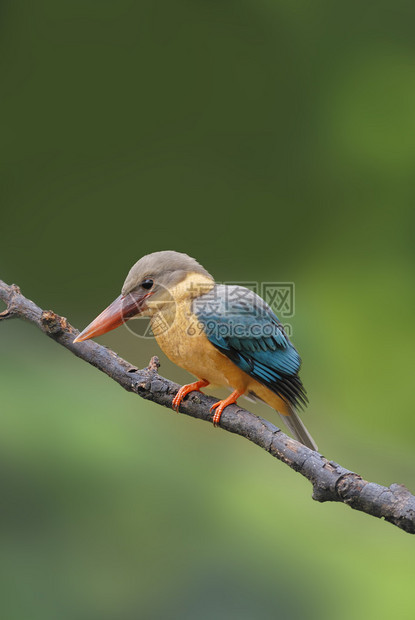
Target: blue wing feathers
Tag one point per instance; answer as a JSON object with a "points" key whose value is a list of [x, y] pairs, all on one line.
{"points": [[251, 336]]}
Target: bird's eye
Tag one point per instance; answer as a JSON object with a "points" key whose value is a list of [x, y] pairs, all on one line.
{"points": [[147, 284]]}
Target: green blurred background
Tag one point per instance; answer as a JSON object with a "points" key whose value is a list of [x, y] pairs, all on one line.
{"points": [[272, 140]]}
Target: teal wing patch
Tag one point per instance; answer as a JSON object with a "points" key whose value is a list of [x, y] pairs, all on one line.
{"points": [[244, 328]]}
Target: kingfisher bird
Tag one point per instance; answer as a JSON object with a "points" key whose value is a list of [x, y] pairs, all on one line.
{"points": [[224, 335]]}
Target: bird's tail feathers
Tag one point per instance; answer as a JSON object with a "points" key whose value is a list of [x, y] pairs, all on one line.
{"points": [[295, 425]]}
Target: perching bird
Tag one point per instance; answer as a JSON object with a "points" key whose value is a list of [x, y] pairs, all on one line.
{"points": [[223, 334]]}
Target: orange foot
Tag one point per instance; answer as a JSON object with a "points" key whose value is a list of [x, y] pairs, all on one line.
{"points": [[185, 390], [221, 404]]}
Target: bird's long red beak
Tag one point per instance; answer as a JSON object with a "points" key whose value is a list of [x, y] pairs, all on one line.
{"points": [[121, 309]]}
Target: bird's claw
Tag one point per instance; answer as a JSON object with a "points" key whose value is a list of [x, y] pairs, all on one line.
{"points": [[222, 404], [177, 400], [184, 391], [216, 418]]}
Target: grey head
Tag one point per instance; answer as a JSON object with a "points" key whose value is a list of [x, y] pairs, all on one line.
{"points": [[163, 269]]}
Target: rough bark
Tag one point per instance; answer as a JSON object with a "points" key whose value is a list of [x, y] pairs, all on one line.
{"points": [[331, 482]]}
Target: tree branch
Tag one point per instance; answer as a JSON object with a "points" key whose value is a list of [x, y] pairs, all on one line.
{"points": [[330, 481]]}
